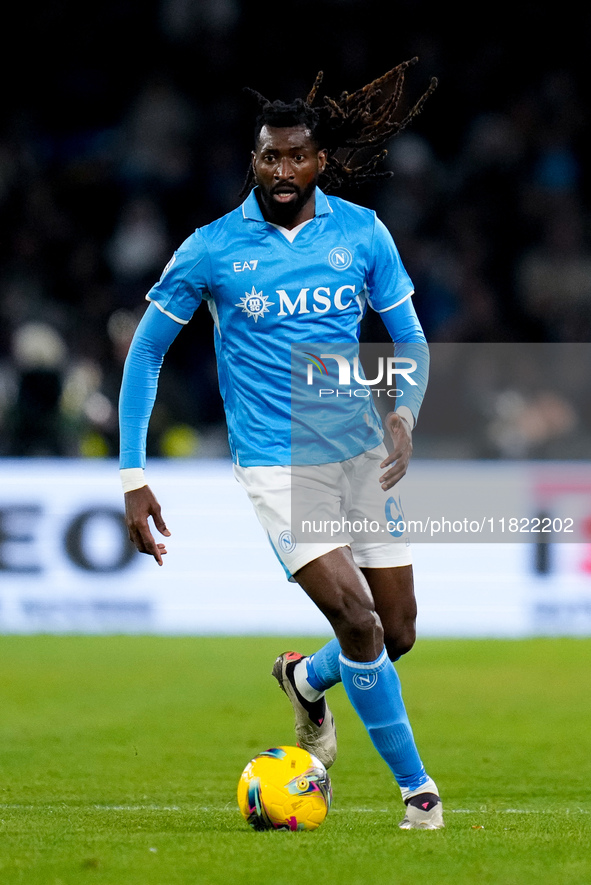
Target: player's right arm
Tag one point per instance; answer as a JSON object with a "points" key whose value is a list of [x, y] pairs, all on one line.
{"points": [[153, 337], [175, 297], [139, 505]]}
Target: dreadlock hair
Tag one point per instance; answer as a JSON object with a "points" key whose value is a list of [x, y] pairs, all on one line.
{"points": [[351, 128]]}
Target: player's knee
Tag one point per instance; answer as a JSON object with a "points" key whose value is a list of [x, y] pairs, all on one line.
{"points": [[401, 641], [367, 630], [358, 626]]}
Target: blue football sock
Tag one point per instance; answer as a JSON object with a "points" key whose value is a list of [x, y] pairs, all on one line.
{"points": [[374, 690], [324, 669]]}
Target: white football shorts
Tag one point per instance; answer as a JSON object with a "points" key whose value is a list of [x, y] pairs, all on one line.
{"points": [[309, 511]]}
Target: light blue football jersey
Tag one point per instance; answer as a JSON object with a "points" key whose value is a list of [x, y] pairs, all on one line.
{"points": [[272, 297]]}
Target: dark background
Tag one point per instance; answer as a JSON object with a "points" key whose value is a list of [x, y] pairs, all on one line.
{"points": [[124, 127]]}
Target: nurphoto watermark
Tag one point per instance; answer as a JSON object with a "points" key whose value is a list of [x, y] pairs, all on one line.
{"points": [[502, 444]]}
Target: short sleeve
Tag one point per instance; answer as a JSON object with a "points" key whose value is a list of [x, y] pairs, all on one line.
{"points": [[388, 282], [184, 281]]}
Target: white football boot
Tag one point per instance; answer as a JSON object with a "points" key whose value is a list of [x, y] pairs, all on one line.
{"points": [[314, 723], [424, 811]]}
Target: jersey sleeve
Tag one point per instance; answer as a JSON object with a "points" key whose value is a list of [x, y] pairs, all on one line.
{"points": [[152, 338], [412, 353], [390, 291], [184, 281], [388, 282]]}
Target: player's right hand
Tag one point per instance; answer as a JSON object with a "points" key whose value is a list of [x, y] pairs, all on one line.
{"points": [[139, 505]]}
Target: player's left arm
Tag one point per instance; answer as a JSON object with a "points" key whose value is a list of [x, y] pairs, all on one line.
{"points": [[412, 354], [391, 293]]}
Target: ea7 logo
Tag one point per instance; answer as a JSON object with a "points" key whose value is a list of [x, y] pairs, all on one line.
{"points": [[239, 266]]}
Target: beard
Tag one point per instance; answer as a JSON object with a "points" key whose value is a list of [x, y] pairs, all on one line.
{"points": [[284, 213]]}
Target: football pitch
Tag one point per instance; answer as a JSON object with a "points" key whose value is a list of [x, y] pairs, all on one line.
{"points": [[120, 758]]}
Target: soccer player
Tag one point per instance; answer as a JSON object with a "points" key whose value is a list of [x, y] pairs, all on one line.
{"points": [[293, 266]]}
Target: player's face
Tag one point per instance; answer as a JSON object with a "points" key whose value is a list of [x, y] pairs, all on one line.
{"points": [[287, 164]]}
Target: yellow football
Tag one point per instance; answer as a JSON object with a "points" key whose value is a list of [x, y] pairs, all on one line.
{"points": [[284, 788]]}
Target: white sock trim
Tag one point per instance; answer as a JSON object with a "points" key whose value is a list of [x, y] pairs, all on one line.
{"points": [[300, 677], [428, 787], [370, 665]]}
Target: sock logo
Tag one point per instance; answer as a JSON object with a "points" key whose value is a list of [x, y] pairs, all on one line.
{"points": [[365, 681]]}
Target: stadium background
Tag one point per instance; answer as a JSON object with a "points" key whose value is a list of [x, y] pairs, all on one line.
{"points": [[125, 127]]}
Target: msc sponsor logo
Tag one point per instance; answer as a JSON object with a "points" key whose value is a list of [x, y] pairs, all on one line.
{"points": [[395, 517], [320, 300], [254, 304]]}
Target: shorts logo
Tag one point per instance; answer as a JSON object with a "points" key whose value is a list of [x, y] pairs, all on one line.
{"points": [[365, 681], [340, 258], [395, 517], [287, 542]]}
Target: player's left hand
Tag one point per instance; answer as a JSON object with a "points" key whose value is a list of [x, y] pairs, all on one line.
{"points": [[399, 458]]}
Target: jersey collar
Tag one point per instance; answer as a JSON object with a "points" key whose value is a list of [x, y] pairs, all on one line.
{"points": [[251, 211]]}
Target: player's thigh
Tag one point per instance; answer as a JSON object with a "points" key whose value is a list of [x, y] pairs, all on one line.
{"points": [[335, 583], [392, 589], [270, 489], [338, 587]]}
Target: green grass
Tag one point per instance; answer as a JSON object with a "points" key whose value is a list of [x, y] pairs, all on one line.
{"points": [[119, 759]]}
